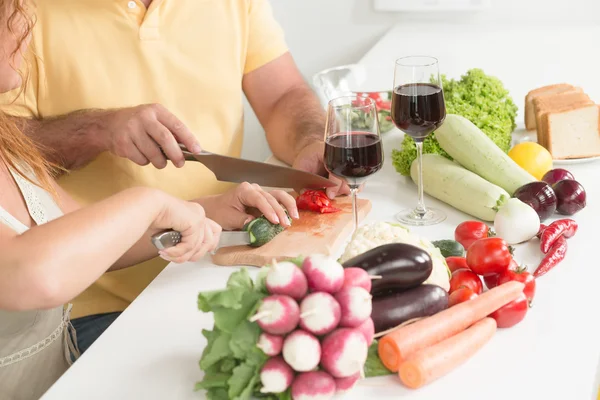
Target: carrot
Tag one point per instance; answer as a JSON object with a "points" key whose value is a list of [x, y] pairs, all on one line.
{"points": [[396, 346], [436, 361]]}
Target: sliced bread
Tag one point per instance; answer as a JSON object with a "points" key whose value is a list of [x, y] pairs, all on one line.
{"points": [[530, 122], [572, 133], [557, 102]]}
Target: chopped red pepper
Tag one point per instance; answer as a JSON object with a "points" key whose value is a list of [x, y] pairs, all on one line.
{"points": [[384, 105], [315, 200], [562, 227], [555, 255]]}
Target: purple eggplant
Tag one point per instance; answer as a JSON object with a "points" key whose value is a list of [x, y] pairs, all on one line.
{"points": [[401, 266], [393, 309]]}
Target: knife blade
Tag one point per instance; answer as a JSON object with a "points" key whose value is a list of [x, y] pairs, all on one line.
{"points": [[238, 170], [166, 239]]}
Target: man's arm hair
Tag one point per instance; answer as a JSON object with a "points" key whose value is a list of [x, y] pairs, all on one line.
{"points": [[72, 140]]}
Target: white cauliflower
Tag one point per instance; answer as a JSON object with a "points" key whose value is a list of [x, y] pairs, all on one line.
{"points": [[376, 234]]}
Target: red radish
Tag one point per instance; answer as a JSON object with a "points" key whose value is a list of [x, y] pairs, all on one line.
{"points": [[320, 313], [301, 351], [356, 306], [324, 274], [286, 278], [358, 277], [314, 385], [345, 384], [278, 314], [276, 376], [344, 352], [367, 328], [270, 344]]}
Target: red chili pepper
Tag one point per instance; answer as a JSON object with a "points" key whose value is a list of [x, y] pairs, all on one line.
{"points": [[540, 231], [555, 255], [384, 105], [562, 227], [315, 200], [375, 96]]}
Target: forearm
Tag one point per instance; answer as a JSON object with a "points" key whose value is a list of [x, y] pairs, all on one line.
{"points": [[142, 250], [58, 260], [297, 120], [72, 140]]}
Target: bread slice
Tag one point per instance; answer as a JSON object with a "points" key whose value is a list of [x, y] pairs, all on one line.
{"points": [[573, 133], [530, 122], [556, 102]]}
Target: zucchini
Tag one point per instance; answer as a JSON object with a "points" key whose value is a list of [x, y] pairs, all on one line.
{"points": [[462, 189], [472, 149], [449, 248], [262, 231]]}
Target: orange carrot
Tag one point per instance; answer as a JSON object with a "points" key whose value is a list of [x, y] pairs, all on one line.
{"points": [[431, 363], [396, 346]]}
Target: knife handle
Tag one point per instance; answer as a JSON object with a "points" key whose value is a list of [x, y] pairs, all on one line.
{"points": [[166, 239]]}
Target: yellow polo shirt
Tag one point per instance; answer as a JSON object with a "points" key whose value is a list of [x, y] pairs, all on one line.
{"points": [[188, 55]]}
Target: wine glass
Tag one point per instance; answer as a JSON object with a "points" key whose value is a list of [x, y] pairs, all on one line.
{"points": [[418, 109], [352, 142]]}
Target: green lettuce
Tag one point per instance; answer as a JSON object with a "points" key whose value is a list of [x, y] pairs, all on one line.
{"points": [[483, 100]]}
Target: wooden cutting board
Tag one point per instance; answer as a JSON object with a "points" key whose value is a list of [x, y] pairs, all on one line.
{"points": [[313, 233]]}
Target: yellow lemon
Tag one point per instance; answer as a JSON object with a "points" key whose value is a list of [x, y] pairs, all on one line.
{"points": [[532, 157]]}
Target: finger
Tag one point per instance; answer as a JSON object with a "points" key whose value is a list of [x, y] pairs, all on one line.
{"points": [[167, 142], [333, 191], [279, 210], [345, 189], [177, 252], [135, 155], [148, 147], [251, 197], [288, 201], [178, 129]]}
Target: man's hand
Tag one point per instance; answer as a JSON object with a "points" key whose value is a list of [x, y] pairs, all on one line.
{"points": [[139, 133], [310, 159], [233, 209]]}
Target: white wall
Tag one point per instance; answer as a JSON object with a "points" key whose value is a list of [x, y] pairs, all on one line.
{"points": [[325, 33]]}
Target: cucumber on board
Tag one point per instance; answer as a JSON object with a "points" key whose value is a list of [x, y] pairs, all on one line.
{"points": [[472, 149], [462, 189], [449, 248], [262, 231]]}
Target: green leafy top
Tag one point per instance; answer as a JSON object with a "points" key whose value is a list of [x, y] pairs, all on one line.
{"points": [[480, 98]]}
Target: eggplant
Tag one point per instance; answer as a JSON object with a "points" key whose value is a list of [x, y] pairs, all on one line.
{"points": [[394, 309], [401, 266]]}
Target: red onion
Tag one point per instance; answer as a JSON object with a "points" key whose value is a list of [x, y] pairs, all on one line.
{"points": [[539, 196], [557, 175], [571, 197]]}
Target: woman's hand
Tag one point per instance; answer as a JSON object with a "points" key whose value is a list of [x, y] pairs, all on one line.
{"points": [[233, 209], [199, 235]]}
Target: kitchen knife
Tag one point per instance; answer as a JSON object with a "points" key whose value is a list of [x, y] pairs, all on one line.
{"points": [[166, 239], [238, 170]]}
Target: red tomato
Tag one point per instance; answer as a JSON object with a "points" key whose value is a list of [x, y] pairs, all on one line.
{"points": [[465, 278], [520, 275], [469, 231], [460, 296], [491, 281], [512, 313], [455, 263], [488, 256]]}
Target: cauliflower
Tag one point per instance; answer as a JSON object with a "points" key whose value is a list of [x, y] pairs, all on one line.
{"points": [[376, 234]]}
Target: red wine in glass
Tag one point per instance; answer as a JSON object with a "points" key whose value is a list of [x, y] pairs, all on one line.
{"points": [[418, 109], [353, 156]]}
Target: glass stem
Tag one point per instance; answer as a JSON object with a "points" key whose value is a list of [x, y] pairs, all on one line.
{"points": [[420, 210], [353, 191]]}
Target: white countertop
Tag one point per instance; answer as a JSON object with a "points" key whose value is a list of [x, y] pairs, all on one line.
{"points": [[152, 350]]}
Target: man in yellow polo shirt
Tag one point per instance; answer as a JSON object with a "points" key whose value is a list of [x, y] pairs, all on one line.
{"points": [[116, 80]]}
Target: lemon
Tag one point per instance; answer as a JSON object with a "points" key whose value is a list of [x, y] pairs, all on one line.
{"points": [[532, 157]]}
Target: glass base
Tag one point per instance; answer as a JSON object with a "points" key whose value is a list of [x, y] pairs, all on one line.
{"points": [[431, 217]]}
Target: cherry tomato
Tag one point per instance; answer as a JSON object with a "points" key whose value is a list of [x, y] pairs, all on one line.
{"points": [[460, 296], [520, 275], [469, 231], [491, 281], [489, 256], [465, 278], [512, 313], [455, 263]]}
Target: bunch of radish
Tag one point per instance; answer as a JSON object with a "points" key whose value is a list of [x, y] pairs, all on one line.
{"points": [[316, 328]]}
